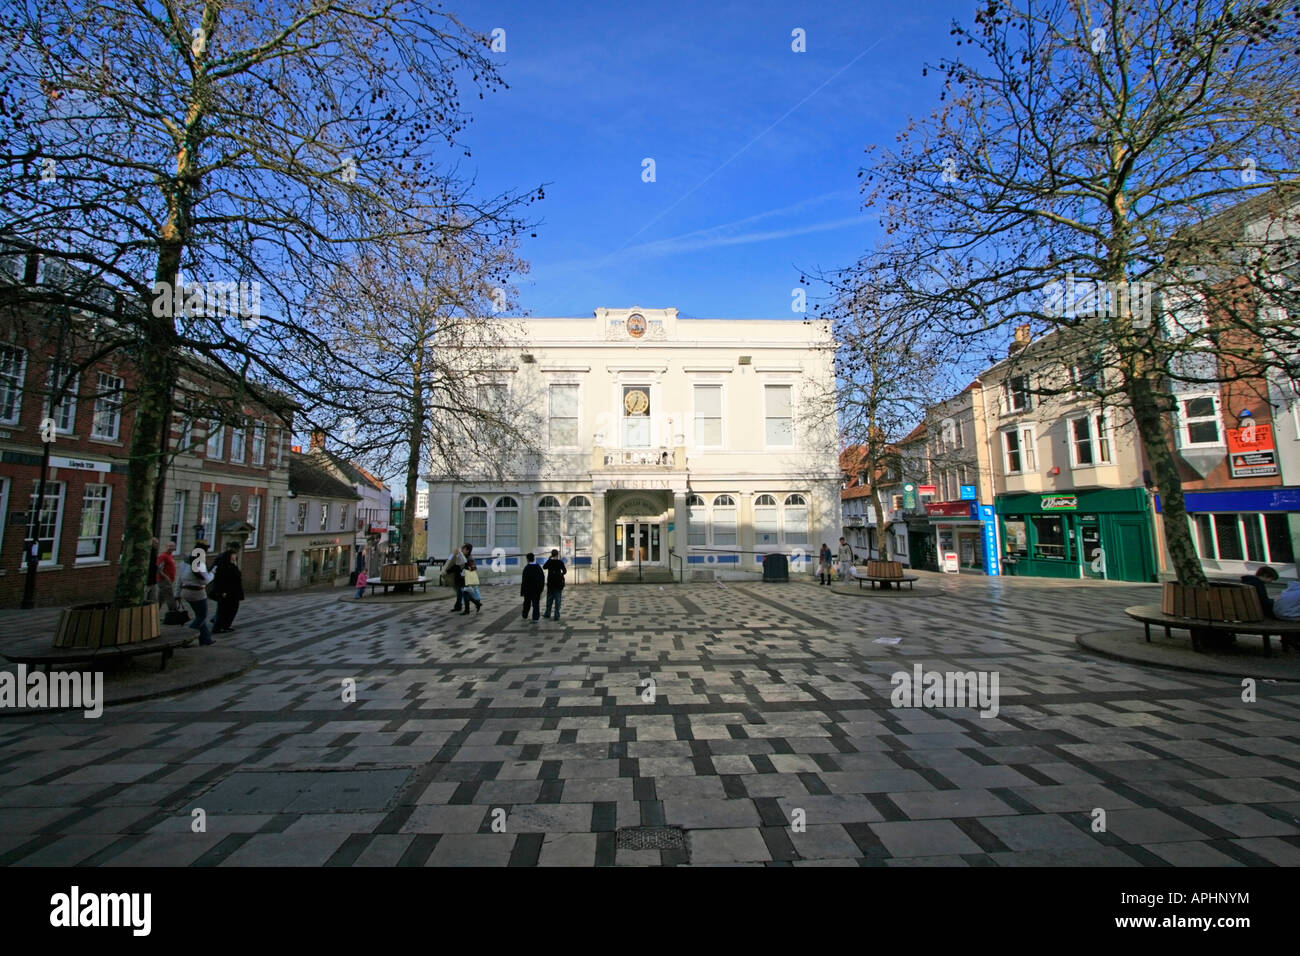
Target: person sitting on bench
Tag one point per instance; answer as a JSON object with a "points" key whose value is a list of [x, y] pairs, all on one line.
{"points": [[1260, 581]]}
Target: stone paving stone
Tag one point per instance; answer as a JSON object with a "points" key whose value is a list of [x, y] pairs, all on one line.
{"points": [[550, 818], [1276, 851], [824, 841], [837, 808], [157, 849], [1038, 832], [705, 813], [1193, 854], [286, 849], [479, 849], [923, 838], [568, 849], [1245, 821], [727, 846], [441, 819], [384, 849], [1076, 797], [336, 823], [1149, 826], [67, 851], [920, 805], [637, 858]]}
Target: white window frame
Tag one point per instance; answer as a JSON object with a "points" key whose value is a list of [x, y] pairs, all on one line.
{"points": [[579, 535], [301, 518], [555, 514], [1185, 422], [238, 444], [210, 527], [179, 506], [787, 532], [702, 512], [499, 509], [734, 525], [1242, 539], [486, 509], [273, 529], [324, 515], [68, 407], [217, 435], [552, 418], [60, 490], [722, 414], [108, 399], [775, 523], [794, 436], [105, 515], [11, 389], [259, 444], [255, 519], [1008, 405], [1004, 434], [1098, 438]]}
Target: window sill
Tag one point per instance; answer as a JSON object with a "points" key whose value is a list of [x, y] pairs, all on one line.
{"points": [[99, 440], [91, 563]]}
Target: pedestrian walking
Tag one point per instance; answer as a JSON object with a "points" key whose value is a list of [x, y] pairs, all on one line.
{"points": [[555, 572], [455, 570], [825, 566], [471, 592], [228, 588], [532, 586], [194, 590], [845, 557], [362, 581], [166, 567]]}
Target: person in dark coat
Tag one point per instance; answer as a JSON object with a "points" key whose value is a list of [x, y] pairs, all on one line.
{"points": [[1259, 581], [532, 586], [555, 572], [228, 586]]}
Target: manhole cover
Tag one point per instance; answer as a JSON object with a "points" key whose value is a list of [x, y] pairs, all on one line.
{"points": [[651, 838]]}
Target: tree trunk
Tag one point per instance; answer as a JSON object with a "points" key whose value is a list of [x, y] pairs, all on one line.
{"points": [[1164, 469], [883, 524], [415, 441]]}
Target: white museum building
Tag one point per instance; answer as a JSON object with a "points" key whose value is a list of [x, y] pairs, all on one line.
{"points": [[690, 447]]}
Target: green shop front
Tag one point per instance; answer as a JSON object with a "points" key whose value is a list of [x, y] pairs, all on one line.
{"points": [[1080, 534]]}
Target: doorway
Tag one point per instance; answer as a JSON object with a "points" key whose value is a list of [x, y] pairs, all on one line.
{"points": [[637, 542]]}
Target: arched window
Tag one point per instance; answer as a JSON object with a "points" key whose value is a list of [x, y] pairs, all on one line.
{"points": [[724, 521], [548, 522], [577, 522], [698, 516], [505, 522], [476, 522], [767, 525], [795, 520]]}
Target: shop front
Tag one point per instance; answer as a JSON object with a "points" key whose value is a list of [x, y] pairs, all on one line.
{"points": [[317, 560], [1237, 530], [1083, 534], [957, 531]]}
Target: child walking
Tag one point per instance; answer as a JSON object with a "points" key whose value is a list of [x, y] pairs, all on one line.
{"points": [[470, 591], [362, 581]]}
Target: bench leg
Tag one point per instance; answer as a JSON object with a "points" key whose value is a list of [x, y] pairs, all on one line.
{"points": [[1268, 647], [1147, 625], [166, 656]]}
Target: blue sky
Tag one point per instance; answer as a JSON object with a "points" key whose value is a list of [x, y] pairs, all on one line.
{"points": [[756, 147]]}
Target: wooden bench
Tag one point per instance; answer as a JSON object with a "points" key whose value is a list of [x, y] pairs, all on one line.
{"points": [[41, 654], [399, 585], [884, 573], [1149, 614]]}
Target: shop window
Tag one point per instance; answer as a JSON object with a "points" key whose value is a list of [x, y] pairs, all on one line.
{"points": [[1204, 535], [1049, 536], [1277, 528], [1227, 535], [1015, 536]]}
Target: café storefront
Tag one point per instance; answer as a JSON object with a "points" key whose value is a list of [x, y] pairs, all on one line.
{"points": [[1083, 534]]}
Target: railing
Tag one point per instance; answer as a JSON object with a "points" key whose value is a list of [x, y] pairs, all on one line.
{"points": [[642, 457], [681, 565], [798, 564], [603, 559], [485, 559]]}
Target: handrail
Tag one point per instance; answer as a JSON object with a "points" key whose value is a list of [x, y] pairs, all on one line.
{"points": [[681, 565]]}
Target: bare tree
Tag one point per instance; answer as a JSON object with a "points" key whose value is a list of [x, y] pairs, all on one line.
{"points": [[234, 144], [418, 334], [1075, 178]]}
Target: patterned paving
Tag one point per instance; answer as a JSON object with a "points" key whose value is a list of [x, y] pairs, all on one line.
{"points": [[770, 738]]}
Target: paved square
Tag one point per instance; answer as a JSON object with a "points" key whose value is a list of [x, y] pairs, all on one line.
{"points": [[751, 725]]}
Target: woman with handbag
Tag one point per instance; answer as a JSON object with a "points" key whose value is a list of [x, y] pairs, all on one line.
{"points": [[195, 579]]}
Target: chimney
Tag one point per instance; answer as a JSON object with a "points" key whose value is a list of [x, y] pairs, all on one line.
{"points": [[1022, 338], [318, 437]]}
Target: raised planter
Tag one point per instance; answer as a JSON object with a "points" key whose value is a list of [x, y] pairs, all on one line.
{"points": [[1217, 602], [399, 573], [102, 625]]}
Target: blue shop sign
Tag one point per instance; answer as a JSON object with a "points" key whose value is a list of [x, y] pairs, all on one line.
{"points": [[990, 525], [967, 492], [1245, 500]]}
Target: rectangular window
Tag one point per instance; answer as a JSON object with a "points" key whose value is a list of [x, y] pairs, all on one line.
{"points": [[1016, 390], [1013, 532], [636, 416], [178, 520], [1103, 438], [211, 501], [1081, 442], [708, 416], [13, 362], [1027, 448], [324, 516], [94, 523], [1011, 452], [505, 532], [65, 413], [259, 444], [273, 530], [724, 525], [578, 523], [1199, 420], [1228, 535], [49, 522], [548, 527], [343, 516], [185, 440], [302, 516], [1253, 534], [476, 527], [1049, 536], [1278, 529], [778, 416], [255, 519], [564, 416], [216, 438], [1205, 536], [238, 436], [108, 408]]}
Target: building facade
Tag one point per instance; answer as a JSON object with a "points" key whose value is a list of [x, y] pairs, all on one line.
{"points": [[692, 445], [320, 525]]}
